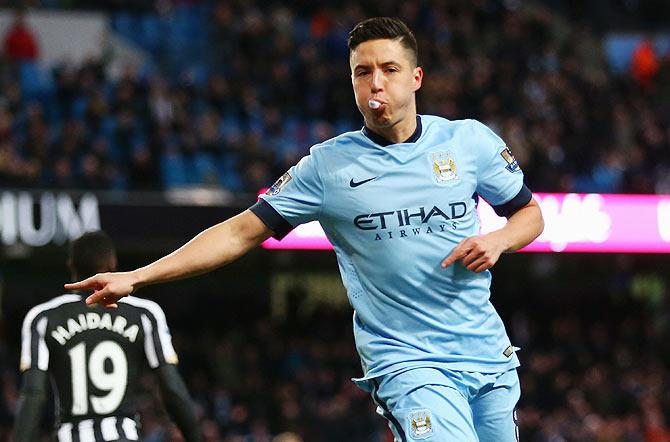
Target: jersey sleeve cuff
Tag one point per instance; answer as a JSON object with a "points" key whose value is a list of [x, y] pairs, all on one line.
{"points": [[271, 218], [520, 200]]}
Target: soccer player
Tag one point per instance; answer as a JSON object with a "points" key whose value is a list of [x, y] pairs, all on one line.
{"points": [[94, 357], [397, 199]]}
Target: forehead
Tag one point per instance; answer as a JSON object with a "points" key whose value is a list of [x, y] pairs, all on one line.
{"points": [[380, 51]]}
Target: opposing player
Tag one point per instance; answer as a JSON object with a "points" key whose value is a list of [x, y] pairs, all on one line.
{"points": [[94, 357], [398, 202]]}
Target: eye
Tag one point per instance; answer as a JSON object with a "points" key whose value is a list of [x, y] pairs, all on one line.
{"points": [[362, 73], [392, 69]]}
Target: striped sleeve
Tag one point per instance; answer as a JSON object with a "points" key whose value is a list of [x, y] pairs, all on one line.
{"points": [[158, 347], [34, 350]]}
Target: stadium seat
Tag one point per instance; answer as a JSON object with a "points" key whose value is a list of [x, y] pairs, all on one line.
{"points": [[228, 175], [202, 169], [619, 49], [33, 80], [173, 170]]}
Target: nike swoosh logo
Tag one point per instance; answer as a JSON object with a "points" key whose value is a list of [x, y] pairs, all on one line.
{"points": [[353, 183]]}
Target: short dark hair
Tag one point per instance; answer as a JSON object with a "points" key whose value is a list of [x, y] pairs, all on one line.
{"points": [[378, 28], [89, 254]]}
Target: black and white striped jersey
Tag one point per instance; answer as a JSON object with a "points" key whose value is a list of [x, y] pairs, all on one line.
{"points": [[94, 357]]}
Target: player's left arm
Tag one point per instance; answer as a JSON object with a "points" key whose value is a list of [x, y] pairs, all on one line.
{"points": [[479, 253], [500, 183]]}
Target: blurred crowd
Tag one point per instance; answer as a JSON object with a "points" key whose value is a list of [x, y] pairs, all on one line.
{"points": [[253, 85], [594, 369], [598, 375]]}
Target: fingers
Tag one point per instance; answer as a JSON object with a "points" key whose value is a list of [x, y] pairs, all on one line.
{"points": [[474, 254], [105, 302], [456, 254], [459, 252], [96, 297], [109, 302], [479, 265], [104, 298], [100, 284], [482, 267], [88, 283]]}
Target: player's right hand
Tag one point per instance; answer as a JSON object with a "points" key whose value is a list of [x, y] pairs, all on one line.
{"points": [[107, 288]]}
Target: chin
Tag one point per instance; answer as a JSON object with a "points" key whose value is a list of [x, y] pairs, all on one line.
{"points": [[383, 120]]}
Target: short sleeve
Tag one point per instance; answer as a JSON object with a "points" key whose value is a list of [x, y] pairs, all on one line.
{"points": [[294, 199], [499, 176], [158, 340], [158, 347], [34, 350]]}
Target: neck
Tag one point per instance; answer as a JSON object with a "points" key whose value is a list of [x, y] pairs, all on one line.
{"points": [[399, 132], [381, 140]]}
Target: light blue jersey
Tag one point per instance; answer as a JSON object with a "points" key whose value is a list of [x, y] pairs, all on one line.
{"points": [[393, 213]]}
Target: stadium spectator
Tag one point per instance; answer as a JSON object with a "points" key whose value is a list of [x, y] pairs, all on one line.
{"points": [[20, 43], [644, 63]]}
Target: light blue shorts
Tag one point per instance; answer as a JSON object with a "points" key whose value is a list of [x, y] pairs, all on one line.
{"points": [[449, 406]]}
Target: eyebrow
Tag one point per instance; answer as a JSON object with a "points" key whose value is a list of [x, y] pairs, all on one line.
{"points": [[385, 64]]}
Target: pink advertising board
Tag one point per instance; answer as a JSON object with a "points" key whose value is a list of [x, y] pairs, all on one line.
{"points": [[597, 223]]}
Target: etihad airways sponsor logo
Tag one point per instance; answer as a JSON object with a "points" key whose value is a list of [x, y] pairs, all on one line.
{"points": [[403, 217], [402, 223]]}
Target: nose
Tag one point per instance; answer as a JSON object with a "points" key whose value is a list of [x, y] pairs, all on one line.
{"points": [[377, 81]]}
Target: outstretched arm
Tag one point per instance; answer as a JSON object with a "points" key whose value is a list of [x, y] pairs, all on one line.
{"points": [[479, 253], [29, 409], [212, 248], [178, 402]]}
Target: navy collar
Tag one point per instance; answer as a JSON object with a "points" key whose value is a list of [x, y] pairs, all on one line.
{"points": [[378, 139]]}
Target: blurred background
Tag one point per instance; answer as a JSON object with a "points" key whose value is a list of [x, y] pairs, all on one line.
{"points": [[152, 119]]}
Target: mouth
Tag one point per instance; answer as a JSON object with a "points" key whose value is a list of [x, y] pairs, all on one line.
{"points": [[377, 104]]}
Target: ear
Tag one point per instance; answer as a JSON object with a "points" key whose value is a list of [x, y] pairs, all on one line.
{"points": [[418, 78]]}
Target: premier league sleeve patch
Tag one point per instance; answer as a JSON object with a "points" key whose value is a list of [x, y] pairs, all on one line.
{"points": [[420, 425], [512, 163], [279, 184]]}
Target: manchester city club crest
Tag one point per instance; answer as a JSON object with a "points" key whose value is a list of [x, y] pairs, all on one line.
{"points": [[420, 424], [279, 184], [444, 166]]}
